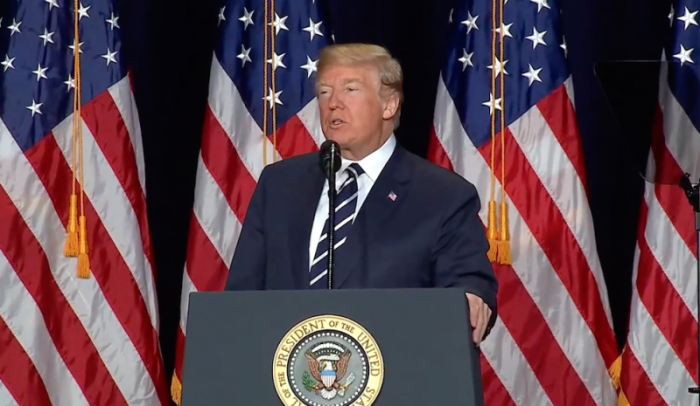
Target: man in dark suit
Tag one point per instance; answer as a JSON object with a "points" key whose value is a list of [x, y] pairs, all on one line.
{"points": [[401, 221]]}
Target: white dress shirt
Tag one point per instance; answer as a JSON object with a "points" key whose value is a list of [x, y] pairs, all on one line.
{"points": [[372, 164]]}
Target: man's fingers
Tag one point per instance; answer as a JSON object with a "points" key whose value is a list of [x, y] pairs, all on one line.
{"points": [[485, 316], [479, 315], [473, 313], [478, 326]]}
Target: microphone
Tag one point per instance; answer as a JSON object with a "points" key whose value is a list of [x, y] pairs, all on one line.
{"points": [[330, 164], [330, 158]]}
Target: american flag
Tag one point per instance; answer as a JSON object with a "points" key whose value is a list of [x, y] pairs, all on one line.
{"points": [[64, 339], [553, 341], [261, 108], [660, 359]]}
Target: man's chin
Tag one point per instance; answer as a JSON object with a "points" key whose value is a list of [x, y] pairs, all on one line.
{"points": [[341, 137]]}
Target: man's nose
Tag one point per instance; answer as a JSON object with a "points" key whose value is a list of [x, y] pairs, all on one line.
{"points": [[334, 102]]}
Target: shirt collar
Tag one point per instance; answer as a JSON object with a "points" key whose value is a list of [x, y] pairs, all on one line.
{"points": [[373, 163]]}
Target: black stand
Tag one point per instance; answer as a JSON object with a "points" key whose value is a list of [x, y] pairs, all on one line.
{"points": [[692, 192], [331, 218]]}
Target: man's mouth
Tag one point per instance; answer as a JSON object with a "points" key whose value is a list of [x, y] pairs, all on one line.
{"points": [[337, 122]]}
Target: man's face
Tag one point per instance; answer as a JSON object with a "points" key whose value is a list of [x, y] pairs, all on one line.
{"points": [[350, 106]]}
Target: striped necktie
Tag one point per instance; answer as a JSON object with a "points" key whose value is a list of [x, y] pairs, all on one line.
{"points": [[345, 204]]}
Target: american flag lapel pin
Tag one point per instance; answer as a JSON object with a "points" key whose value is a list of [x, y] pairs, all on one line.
{"points": [[392, 196]]}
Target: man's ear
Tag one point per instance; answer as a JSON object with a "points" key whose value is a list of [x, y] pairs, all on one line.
{"points": [[391, 106]]}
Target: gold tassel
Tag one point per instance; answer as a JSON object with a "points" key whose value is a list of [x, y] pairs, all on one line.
{"points": [[492, 226], [77, 245], [622, 399], [83, 260], [71, 247], [176, 390], [615, 370], [492, 232], [504, 237], [504, 249]]}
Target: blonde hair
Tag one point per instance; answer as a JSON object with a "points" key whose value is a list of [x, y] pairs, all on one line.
{"points": [[390, 73]]}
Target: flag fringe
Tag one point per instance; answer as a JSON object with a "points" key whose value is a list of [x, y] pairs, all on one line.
{"points": [[622, 399], [504, 256], [615, 372], [176, 390]]}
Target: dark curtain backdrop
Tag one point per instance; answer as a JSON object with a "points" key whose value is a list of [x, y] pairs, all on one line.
{"points": [[171, 42]]}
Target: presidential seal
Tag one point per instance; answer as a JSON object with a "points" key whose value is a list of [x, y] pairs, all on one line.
{"points": [[328, 361]]}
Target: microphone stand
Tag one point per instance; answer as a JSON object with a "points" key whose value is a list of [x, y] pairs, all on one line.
{"points": [[692, 192], [330, 174]]}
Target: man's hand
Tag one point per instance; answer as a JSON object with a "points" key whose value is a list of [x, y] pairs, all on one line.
{"points": [[479, 315]]}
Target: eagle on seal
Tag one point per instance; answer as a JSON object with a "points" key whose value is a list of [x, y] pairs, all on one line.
{"points": [[328, 374]]}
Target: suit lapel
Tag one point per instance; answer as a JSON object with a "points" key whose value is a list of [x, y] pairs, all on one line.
{"points": [[309, 191], [388, 192]]}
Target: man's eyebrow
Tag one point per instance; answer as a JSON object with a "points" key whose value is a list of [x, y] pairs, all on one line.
{"points": [[351, 80], [343, 82]]}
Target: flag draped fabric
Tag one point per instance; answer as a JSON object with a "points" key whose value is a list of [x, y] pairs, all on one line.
{"points": [[78, 311], [261, 108], [660, 359], [505, 120]]}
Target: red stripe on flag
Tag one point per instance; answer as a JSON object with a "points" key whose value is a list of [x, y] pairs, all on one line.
{"points": [[666, 169], [663, 303], [670, 195], [226, 167], [207, 269], [179, 353], [675, 205], [26, 256], [293, 138], [530, 331], [436, 152], [107, 265], [17, 371], [560, 116], [107, 126], [211, 274], [554, 237], [635, 383], [494, 391]]}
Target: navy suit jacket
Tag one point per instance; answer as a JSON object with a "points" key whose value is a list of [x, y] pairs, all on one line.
{"points": [[429, 236]]}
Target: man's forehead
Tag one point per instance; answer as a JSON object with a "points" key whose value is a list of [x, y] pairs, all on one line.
{"points": [[342, 79], [344, 74]]}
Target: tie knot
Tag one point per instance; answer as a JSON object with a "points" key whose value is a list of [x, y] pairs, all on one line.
{"points": [[355, 170]]}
